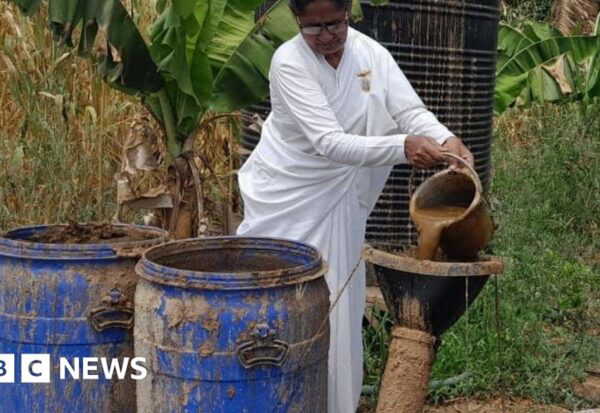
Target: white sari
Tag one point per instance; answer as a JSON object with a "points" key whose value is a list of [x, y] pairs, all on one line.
{"points": [[325, 153]]}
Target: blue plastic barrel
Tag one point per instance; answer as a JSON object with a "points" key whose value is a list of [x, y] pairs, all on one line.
{"points": [[68, 301], [232, 325]]}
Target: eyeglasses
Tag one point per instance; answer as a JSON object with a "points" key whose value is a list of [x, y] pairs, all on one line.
{"points": [[316, 29]]}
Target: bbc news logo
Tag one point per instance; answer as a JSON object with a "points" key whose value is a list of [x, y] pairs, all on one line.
{"points": [[37, 368]]}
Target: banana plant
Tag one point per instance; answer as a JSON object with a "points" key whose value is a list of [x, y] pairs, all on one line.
{"points": [[126, 65], [203, 55], [537, 63], [213, 56]]}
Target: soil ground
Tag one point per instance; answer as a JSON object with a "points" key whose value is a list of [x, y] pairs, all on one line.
{"points": [[498, 405], [494, 406]]}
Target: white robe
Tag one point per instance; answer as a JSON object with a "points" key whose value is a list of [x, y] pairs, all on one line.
{"points": [[325, 152]]}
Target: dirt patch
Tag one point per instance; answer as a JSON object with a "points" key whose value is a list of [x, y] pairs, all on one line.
{"points": [[75, 233], [589, 389], [498, 405], [188, 310]]}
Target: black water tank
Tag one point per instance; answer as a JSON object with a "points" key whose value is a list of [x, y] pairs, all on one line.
{"points": [[252, 119], [447, 49]]}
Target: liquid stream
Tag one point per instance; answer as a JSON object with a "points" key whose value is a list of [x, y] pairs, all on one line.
{"points": [[431, 222]]}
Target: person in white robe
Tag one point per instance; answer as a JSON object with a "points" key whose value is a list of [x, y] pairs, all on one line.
{"points": [[343, 114]]}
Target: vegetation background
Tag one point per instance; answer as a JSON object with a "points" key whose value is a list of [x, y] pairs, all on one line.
{"points": [[533, 333]]}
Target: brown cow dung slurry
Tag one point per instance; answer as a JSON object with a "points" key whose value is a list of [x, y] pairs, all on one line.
{"points": [[103, 233], [431, 223]]}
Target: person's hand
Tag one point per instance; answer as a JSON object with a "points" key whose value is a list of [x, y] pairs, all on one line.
{"points": [[457, 147], [423, 151]]}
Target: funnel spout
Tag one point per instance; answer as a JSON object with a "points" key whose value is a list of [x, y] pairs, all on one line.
{"points": [[405, 381]]}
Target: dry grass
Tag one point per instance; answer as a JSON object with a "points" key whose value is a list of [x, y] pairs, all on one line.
{"points": [[575, 16], [526, 126], [520, 127], [61, 127], [218, 147]]}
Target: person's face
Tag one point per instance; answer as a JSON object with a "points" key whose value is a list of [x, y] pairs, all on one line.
{"points": [[328, 39]]}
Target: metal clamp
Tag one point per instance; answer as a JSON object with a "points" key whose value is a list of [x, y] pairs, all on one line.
{"points": [[115, 313], [263, 348]]}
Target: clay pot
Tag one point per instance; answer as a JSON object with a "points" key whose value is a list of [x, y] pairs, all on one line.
{"points": [[468, 233]]}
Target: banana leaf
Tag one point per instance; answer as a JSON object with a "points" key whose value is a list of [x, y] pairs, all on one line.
{"points": [[204, 54], [356, 11], [127, 64], [592, 77], [241, 57], [28, 7], [216, 56], [543, 86], [536, 31], [510, 42], [526, 68]]}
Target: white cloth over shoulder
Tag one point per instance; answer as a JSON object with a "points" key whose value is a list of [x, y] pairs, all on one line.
{"points": [[325, 153]]}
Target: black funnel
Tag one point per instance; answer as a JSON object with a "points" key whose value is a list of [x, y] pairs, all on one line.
{"points": [[425, 295]]}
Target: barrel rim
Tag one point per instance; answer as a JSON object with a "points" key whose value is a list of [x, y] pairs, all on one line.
{"points": [[151, 271], [19, 248]]}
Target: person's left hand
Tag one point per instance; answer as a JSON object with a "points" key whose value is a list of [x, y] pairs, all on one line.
{"points": [[457, 147]]}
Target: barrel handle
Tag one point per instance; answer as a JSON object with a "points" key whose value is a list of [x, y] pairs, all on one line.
{"points": [[114, 313], [262, 349]]}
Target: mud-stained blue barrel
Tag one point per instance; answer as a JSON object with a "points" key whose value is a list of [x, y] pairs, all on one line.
{"points": [[232, 325], [69, 301]]}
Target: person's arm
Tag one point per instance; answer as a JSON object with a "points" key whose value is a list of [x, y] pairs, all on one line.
{"points": [[413, 118], [305, 101]]}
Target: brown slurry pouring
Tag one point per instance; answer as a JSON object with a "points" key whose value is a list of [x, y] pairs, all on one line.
{"points": [[449, 212]]}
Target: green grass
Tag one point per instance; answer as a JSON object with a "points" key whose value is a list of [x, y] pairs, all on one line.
{"points": [[375, 342], [534, 329]]}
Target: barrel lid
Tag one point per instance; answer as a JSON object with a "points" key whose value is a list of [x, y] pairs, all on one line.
{"points": [[20, 243], [231, 263]]}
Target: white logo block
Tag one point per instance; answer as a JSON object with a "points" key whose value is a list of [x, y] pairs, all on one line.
{"points": [[35, 368], [7, 368]]}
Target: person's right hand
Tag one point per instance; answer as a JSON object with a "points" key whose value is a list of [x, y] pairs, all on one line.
{"points": [[423, 151]]}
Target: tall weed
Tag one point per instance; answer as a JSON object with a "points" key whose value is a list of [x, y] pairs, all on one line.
{"points": [[60, 129]]}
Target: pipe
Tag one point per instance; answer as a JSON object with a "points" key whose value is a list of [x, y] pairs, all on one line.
{"points": [[405, 381]]}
